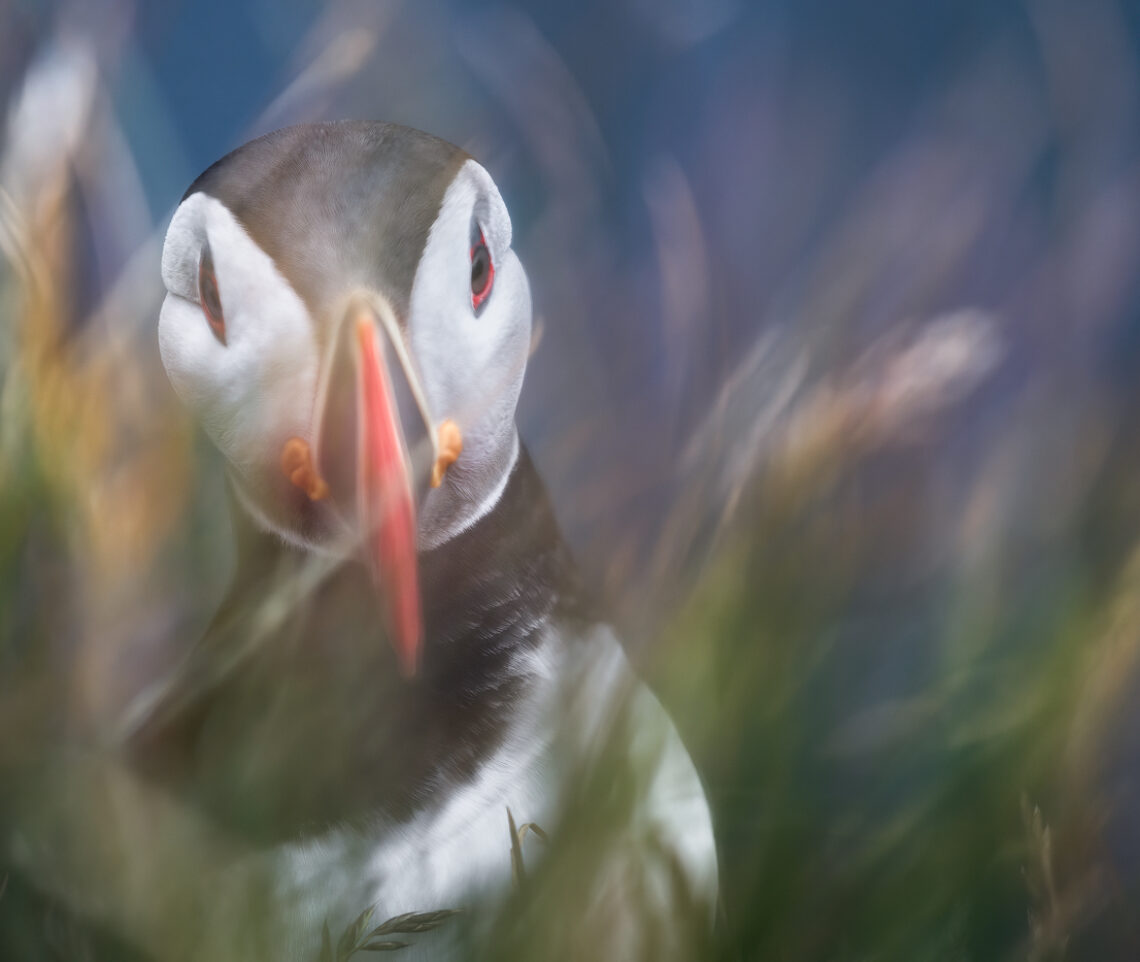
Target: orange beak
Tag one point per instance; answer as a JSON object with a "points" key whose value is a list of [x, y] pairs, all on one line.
{"points": [[362, 465], [384, 499]]}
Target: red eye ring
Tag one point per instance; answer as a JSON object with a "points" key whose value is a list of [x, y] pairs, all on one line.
{"points": [[209, 297], [482, 272]]}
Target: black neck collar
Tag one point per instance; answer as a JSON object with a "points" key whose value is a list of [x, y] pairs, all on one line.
{"points": [[309, 722]]}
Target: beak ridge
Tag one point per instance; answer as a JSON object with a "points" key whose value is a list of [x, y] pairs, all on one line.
{"points": [[385, 505], [367, 459]]}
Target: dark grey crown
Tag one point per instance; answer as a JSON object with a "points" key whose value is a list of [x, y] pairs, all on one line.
{"points": [[338, 205]]}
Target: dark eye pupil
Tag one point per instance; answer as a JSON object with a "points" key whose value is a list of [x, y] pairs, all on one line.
{"points": [[209, 297], [480, 262]]}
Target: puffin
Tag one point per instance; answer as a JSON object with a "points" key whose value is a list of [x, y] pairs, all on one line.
{"points": [[407, 714]]}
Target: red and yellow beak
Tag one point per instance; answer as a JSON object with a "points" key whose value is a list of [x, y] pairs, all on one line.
{"points": [[363, 465]]}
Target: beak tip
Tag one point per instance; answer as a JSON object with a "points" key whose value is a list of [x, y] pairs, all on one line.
{"points": [[410, 666]]}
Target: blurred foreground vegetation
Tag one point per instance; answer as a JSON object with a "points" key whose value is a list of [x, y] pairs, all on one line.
{"points": [[910, 770]]}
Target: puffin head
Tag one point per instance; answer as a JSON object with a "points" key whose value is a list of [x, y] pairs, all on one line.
{"points": [[347, 321]]}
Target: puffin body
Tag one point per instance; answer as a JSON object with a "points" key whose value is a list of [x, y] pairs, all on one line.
{"points": [[406, 675]]}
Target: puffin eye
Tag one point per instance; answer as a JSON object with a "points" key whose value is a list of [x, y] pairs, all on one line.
{"points": [[482, 272], [209, 297]]}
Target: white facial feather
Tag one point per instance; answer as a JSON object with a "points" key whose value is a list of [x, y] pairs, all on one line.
{"points": [[256, 390], [472, 363]]}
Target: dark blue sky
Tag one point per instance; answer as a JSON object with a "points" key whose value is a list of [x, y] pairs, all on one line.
{"points": [[216, 64]]}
